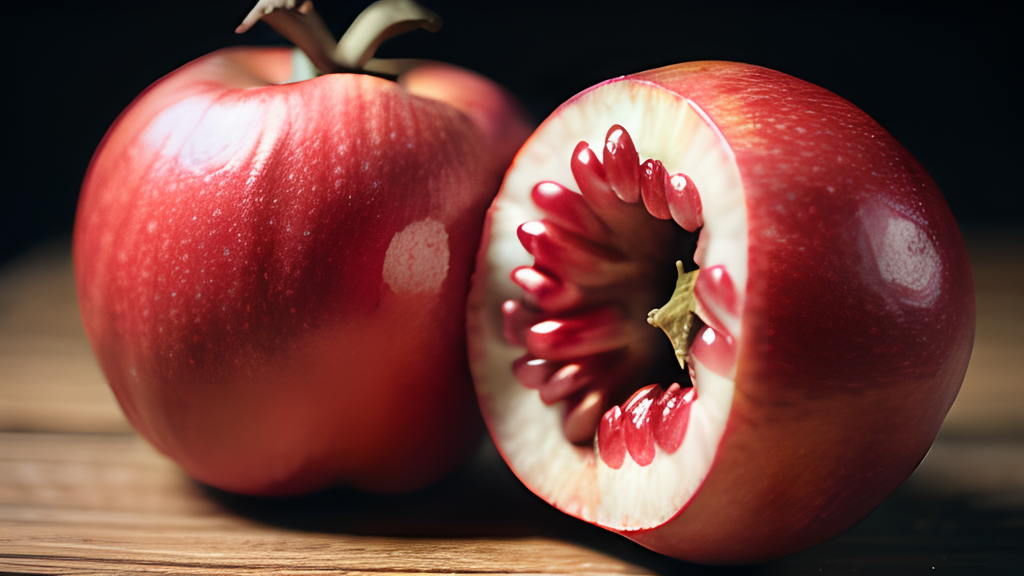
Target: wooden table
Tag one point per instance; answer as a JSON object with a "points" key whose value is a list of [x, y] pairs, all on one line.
{"points": [[81, 493]]}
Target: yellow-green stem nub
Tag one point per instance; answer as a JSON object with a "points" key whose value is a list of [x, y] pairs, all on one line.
{"points": [[677, 316]]}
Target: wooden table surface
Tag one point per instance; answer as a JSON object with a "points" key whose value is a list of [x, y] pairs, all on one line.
{"points": [[80, 493]]}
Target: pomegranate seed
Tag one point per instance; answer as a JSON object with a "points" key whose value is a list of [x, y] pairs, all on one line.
{"points": [[684, 202], [533, 372], [516, 321], [571, 337], [573, 257], [716, 285], [562, 383], [653, 181], [716, 350], [582, 415], [546, 291], [591, 179], [580, 250], [716, 293], [671, 417], [610, 443], [638, 432], [596, 371], [622, 164], [569, 210]]}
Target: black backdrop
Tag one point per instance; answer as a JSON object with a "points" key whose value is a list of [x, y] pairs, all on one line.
{"points": [[943, 81]]}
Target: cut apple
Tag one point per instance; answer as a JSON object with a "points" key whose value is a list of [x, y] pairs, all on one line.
{"points": [[719, 310]]}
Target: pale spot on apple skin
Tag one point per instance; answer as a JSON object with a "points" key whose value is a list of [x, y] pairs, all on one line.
{"points": [[907, 256], [904, 254], [417, 258]]}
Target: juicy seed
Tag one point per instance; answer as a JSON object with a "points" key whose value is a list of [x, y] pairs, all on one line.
{"points": [[546, 291], [717, 295], [573, 257], [569, 337], [565, 381], [589, 246], [648, 419], [569, 210], [516, 321], [653, 182], [610, 444], [582, 415], [622, 164], [637, 428], [684, 202], [672, 415], [591, 372], [533, 372], [590, 176], [716, 350]]}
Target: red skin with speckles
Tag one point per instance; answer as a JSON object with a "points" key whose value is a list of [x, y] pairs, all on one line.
{"points": [[848, 363], [229, 254], [842, 375]]}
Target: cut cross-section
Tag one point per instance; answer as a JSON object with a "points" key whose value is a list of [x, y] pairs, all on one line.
{"points": [[602, 223], [690, 320]]}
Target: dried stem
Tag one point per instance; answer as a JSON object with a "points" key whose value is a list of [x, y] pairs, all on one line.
{"points": [[381, 21]]}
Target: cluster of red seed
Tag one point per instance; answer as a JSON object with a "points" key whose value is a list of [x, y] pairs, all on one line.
{"points": [[582, 344]]}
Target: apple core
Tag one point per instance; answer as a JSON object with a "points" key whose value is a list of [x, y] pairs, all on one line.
{"points": [[612, 248]]}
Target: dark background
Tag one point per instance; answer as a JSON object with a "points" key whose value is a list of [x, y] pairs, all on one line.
{"points": [[943, 81]]}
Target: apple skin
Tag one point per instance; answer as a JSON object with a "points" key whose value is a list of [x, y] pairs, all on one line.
{"points": [[849, 359], [858, 320], [273, 276]]}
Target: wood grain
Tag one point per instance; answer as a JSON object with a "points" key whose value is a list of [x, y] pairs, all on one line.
{"points": [[80, 493], [49, 380]]}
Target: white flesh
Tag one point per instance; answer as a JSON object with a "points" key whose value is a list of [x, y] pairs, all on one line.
{"points": [[664, 126]]}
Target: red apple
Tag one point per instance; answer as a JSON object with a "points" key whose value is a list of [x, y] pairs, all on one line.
{"points": [[273, 273], [819, 324]]}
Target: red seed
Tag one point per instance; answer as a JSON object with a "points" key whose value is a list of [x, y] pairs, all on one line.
{"points": [[716, 291], [591, 177], [569, 210], [622, 164], [653, 182], [637, 430], [562, 383], [533, 372], [516, 321], [571, 257], [715, 350], [570, 337], [684, 202], [592, 180], [610, 443], [546, 291], [583, 412], [598, 371], [671, 417]]}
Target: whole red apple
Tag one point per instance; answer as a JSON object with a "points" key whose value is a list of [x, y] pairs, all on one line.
{"points": [[273, 272], [819, 320]]}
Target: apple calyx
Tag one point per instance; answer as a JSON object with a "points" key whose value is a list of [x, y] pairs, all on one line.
{"points": [[677, 317], [380, 21]]}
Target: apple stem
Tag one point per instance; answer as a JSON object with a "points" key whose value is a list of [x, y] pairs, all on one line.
{"points": [[676, 317], [379, 22]]}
